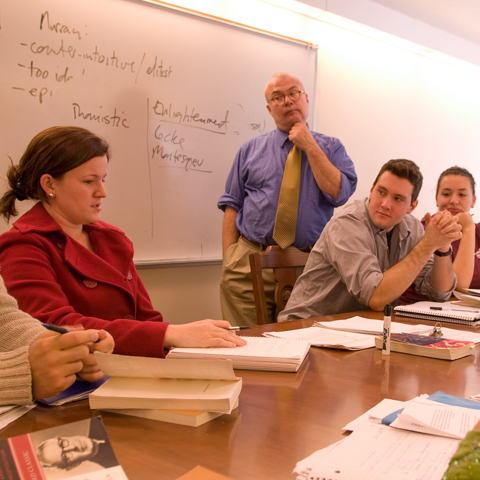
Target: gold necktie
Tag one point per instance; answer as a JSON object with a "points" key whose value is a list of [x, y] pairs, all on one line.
{"points": [[287, 210]]}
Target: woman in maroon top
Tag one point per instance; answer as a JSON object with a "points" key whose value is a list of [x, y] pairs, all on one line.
{"points": [[456, 193], [65, 266]]}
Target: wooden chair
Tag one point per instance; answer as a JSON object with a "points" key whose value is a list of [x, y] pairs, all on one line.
{"points": [[284, 264]]}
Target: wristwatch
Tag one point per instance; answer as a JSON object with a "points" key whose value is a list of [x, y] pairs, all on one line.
{"points": [[444, 254]]}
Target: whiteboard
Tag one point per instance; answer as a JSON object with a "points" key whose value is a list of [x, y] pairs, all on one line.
{"points": [[174, 94]]}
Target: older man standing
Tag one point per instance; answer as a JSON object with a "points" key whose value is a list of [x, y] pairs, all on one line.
{"points": [[282, 190]]}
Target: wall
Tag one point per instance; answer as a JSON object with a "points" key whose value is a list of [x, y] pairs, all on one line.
{"points": [[382, 18], [184, 294]]}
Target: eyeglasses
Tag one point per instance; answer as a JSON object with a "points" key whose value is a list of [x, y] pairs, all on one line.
{"points": [[294, 95], [63, 443]]}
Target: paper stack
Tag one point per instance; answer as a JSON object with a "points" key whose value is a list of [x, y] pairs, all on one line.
{"points": [[9, 413], [323, 337], [423, 435], [357, 333], [260, 353], [468, 297]]}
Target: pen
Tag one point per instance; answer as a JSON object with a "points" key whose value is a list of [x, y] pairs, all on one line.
{"points": [[454, 309], [387, 321], [56, 328], [243, 327]]}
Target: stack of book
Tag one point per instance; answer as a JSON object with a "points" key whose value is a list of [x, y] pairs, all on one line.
{"points": [[188, 392]]}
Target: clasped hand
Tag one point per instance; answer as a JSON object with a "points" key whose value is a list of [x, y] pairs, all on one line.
{"points": [[441, 229]]}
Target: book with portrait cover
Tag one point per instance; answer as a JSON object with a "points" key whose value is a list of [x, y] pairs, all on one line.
{"points": [[75, 451], [428, 346]]}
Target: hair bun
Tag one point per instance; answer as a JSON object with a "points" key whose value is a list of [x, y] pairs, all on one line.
{"points": [[20, 191]]}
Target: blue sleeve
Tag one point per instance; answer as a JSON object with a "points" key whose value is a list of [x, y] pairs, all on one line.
{"points": [[234, 187], [342, 161]]}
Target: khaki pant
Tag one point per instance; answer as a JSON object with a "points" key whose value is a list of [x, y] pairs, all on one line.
{"points": [[236, 290]]}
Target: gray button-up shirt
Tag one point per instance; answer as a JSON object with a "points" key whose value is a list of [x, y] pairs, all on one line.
{"points": [[348, 261]]}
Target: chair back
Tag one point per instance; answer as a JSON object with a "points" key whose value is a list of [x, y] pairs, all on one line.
{"points": [[284, 264]]}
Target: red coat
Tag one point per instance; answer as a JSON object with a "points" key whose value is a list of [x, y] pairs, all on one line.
{"points": [[57, 280]]}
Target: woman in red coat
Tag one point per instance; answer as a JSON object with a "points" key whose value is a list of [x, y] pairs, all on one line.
{"points": [[65, 266]]}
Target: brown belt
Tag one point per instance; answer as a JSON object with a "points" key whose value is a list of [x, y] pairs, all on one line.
{"points": [[264, 247]]}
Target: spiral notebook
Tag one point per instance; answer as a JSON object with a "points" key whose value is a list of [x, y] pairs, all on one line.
{"points": [[445, 312]]}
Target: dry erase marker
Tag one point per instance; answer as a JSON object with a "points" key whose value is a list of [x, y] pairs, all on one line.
{"points": [[243, 327], [387, 322], [56, 328]]}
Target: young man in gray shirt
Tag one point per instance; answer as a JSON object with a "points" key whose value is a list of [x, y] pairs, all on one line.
{"points": [[373, 250]]}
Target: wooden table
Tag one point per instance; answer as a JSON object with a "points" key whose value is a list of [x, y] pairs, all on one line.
{"points": [[282, 417]]}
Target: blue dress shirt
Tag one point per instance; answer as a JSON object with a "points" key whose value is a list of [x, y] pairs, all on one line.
{"points": [[253, 187]]}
